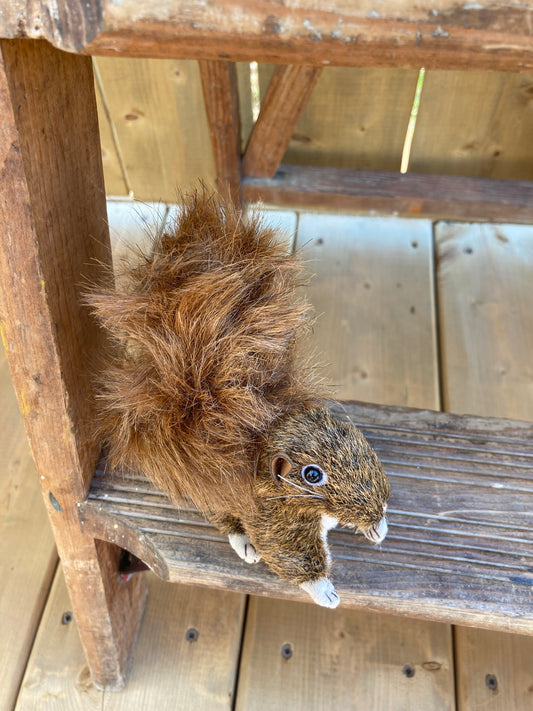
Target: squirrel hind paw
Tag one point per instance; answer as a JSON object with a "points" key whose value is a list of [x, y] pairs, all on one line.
{"points": [[322, 592], [244, 548]]}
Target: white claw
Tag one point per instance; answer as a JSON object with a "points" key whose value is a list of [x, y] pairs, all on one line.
{"points": [[322, 592], [245, 549], [377, 533]]}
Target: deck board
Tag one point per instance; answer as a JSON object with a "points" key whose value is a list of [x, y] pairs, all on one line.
{"points": [[342, 660], [28, 555], [486, 303], [167, 667]]}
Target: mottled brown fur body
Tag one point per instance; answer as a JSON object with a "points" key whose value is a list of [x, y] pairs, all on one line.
{"points": [[205, 394], [286, 524]]}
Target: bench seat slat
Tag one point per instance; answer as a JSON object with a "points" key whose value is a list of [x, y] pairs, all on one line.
{"points": [[460, 542]]}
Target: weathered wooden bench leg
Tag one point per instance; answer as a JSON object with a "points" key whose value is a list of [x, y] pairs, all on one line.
{"points": [[54, 240]]}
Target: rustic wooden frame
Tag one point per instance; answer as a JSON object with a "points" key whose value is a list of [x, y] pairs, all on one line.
{"points": [[53, 204]]}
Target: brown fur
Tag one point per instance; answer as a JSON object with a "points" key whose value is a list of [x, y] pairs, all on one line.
{"points": [[206, 396], [355, 494], [207, 330]]}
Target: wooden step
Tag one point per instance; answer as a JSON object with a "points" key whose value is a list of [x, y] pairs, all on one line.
{"points": [[459, 547]]}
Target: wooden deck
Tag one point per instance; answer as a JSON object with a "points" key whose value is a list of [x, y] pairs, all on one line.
{"points": [[410, 314]]}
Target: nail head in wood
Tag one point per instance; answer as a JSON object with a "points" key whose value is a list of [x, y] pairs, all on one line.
{"points": [[286, 651], [409, 671], [491, 681], [191, 635]]}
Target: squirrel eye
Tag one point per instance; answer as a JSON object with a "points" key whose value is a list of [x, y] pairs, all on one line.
{"points": [[314, 475]]}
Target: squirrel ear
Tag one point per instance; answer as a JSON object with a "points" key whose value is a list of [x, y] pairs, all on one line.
{"points": [[280, 465]]}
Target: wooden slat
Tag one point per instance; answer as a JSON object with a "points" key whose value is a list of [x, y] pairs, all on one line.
{"points": [[447, 197], [459, 485], [486, 302], [341, 660], [27, 552], [486, 299], [157, 111], [245, 102], [115, 174], [493, 35], [220, 87], [493, 670], [373, 293], [284, 102], [167, 666], [476, 124], [355, 118], [52, 208]]}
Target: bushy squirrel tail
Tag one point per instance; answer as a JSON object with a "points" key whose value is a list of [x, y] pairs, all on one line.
{"points": [[206, 332]]}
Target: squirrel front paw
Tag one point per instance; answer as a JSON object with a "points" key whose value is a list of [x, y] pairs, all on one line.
{"points": [[244, 548], [322, 592]]}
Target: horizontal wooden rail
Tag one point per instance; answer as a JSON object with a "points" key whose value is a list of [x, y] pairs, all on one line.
{"points": [[491, 34], [412, 194], [460, 543]]}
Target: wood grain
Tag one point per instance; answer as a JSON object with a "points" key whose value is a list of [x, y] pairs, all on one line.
{"points": [[368, 306], [28, 556], [57, 675], [458, 546], [493, 670], [355, 118], [157, 111], [286, 97], [115, 173], [167, 666], [220, 87], [410, 195], [52, 207], [245, 102], [486, 319], [485, 300], [494, 35], [341, 660], [475, 123]]}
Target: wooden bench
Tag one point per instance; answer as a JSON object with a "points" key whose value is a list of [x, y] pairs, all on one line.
{"points": [[460, 544], [458, 547]]}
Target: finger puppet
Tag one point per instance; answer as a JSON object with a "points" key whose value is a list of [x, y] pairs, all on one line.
{"points": [[206, 392]]}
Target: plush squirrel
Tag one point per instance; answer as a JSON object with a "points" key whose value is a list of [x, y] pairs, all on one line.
{"points": [[207, 396]]}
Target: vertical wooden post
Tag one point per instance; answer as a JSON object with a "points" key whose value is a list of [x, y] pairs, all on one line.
{"points": [[219, 83], [54, 239]]}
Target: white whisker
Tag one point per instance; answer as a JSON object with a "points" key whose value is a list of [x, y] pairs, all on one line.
{"points": [[292, 483], [295, 496]]}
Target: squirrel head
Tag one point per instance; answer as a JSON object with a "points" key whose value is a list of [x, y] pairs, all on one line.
{"points": [[324, 465]]}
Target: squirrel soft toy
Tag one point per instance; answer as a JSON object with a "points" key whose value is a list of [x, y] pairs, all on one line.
{"points": [[207, 394]]}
